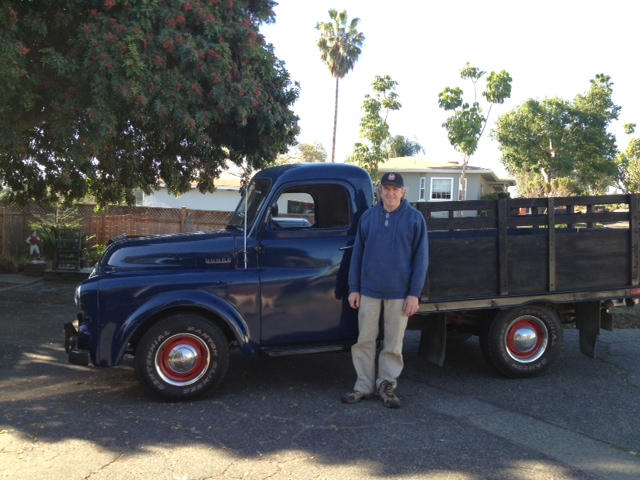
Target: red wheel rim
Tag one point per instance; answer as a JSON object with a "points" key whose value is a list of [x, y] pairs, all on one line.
{"points": [[182, 359], [527, 339]]}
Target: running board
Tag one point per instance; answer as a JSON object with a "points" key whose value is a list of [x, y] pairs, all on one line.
{"points": [[282, 351]]}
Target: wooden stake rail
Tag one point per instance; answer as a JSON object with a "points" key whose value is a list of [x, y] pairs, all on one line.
{"points": [[521, 247]]}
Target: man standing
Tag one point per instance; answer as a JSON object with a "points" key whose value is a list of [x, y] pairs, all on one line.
{"points": [[388, 271]]}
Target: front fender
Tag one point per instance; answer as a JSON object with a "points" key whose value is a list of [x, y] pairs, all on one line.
{"points": [[177, 299]]}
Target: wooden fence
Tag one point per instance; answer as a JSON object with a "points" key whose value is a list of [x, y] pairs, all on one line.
{"points": [[102, 226], [14, 233], [157, 221]]}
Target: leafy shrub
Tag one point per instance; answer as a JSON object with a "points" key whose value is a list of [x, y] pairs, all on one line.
{"points": [[91, 254], [49, 226], [10, 264]]}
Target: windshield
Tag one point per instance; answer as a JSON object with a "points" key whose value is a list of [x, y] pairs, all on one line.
{"points": [[251, 203]]}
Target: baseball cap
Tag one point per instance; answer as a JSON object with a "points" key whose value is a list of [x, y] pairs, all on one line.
{"points": [[394, 179]]}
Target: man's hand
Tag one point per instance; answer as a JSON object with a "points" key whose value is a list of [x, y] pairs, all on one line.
{"points": [[410, 305], [354, 299]]}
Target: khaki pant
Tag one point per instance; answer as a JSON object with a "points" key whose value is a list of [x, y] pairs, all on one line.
{"points": [[363, 353]]}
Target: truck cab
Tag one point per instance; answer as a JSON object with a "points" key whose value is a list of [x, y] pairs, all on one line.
{"points": [[273, 282]]}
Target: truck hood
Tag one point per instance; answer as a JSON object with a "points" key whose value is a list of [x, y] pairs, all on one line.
{"points": [[210, 250]]}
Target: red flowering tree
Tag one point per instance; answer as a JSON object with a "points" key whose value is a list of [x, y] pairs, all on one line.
{"points": [[105, 96]]}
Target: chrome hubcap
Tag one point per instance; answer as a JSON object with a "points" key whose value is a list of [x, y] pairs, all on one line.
{"points": [[527, 339], [183, 358]]}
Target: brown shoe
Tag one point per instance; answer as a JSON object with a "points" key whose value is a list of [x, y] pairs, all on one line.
{"points": [[355, 397], [388, 396]]}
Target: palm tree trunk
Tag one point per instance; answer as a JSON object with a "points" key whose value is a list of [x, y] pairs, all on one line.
{"points": [[335, 125]]}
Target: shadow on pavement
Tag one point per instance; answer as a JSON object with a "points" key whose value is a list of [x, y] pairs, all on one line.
{"points": [[282, 418]]}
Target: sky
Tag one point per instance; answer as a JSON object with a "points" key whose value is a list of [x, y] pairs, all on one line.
{"points": [[550, 48]]}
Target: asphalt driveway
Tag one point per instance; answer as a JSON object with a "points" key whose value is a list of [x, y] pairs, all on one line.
{"points": [[281, 418]]}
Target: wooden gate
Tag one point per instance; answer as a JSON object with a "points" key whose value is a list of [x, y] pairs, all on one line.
{"points": [[12, 233]]}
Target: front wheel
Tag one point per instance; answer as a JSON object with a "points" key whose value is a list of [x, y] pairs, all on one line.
{"points": [[182, 357], [523, 342]]}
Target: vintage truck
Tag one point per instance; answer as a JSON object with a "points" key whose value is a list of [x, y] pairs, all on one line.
{"points": [[274, 282]]}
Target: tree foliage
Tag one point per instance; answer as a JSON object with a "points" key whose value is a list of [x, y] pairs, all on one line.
{"points": [[106, 96], [531, 185], [373, 125], [467, 123], [399, 146], [557, 139], [312, 152], [304, 153], [628, 163], [340, 47]]}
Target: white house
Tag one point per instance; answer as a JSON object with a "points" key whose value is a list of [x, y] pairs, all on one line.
{"points": [[426, 181], [430, 181], [224, 199]]}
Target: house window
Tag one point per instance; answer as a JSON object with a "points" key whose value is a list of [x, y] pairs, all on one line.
{"points": [[441, 188], [423, 187]]}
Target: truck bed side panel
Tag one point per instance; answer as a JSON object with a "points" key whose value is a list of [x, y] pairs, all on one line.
{"points": [[527, 247]]}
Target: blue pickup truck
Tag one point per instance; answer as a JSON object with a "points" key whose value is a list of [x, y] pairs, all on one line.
{"points": [[274, 281]]}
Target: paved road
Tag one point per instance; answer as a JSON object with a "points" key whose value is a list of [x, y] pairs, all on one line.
{"points": [[282, 418]]}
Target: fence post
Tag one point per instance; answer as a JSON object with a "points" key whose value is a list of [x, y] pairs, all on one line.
{"points": [[183, 219]]}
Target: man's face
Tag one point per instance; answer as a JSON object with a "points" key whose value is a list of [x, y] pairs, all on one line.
{"points": [[391, 197]]}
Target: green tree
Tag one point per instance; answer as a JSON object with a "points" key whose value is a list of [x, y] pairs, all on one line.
{"points": [[304, 153], [557, 139], [399, 146], [340, 46], [629, 128], [106, 96], [467, 123], [531, 185], [629, 167], [628, 163], [312, 152], [374, 127]]}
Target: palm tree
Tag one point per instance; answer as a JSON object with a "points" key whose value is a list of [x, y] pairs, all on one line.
{"points": [[340, 48]]}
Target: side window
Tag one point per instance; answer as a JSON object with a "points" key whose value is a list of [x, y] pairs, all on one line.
{"points": [[423, 188], [293, 210], [311, 207]]}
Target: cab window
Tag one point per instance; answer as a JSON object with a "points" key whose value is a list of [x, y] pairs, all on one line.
{"points": [[310, 207]]}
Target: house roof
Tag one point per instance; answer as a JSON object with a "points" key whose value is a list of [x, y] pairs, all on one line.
{"points": [[228, 180], [420, 165], [222, 183]]}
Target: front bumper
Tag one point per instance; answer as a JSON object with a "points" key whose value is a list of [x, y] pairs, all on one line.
{"points": [[75, 354]]}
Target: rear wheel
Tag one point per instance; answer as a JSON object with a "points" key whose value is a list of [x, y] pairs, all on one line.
{"points": [[181, 357], [523, 342]]}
